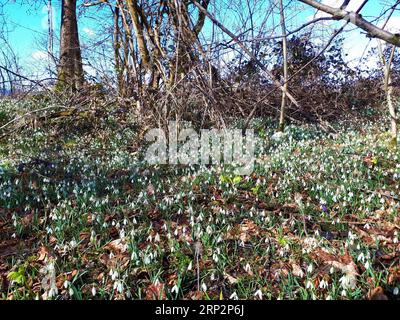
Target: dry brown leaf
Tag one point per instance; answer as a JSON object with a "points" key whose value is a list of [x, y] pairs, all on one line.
{"points": [[84, 236], [52, 240], [394, 276], [155, 291], [27, 220], [150, 190], [196, 295], [244, 231], [43, 253], [116, 246], [377, 294], [296, 270], [231, 279], [9, 248], [343, 263]]}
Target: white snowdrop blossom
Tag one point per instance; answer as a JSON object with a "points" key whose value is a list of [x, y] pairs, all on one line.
{"points": [[258, 294]]}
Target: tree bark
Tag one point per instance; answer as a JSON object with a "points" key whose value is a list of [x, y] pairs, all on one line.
{"points": [[138, 27], [70, 71]]}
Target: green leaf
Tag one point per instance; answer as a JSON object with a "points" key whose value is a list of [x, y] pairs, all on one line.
{"points": [[224, 179], [237, 180]]}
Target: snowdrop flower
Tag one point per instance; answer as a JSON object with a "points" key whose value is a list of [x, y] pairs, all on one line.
{"points": [[247, 268], [323, 284], [258, 294], [94, 291], [310, 268], [309, 285], [347, 282], [215, 258], [234, 296], [72, 244], [114, 275], [203, 287], [175, 289], [190, 266], [396, 291], [52, 292]]}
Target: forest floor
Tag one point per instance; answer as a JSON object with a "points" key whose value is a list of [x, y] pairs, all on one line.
{"points": [[83, 217]]}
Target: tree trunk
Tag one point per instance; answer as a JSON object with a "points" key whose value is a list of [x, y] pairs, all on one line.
{"points": [[119, 68], [70, 72], [138, 27]]}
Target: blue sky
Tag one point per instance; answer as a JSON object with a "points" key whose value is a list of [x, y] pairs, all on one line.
{"points": [[29, 27]]}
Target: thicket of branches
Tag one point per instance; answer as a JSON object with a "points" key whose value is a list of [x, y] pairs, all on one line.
{"points": [[209, 62]]}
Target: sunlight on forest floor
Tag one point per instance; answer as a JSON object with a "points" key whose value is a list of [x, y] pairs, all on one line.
{"points": [[82, 216]]}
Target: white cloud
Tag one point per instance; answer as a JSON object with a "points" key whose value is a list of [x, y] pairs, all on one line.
{"points": [[40, 55], [357, 45], [89, 32], [90, 71], [393, 24]]}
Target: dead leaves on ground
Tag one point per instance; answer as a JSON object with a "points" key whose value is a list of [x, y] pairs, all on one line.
{"points": [[244, 232], [117, 256], [343, 263], [377, 294], [156, 291]]}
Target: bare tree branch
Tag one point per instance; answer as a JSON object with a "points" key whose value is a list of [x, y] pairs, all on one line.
{"points": [[358, 20], [247, 51]]}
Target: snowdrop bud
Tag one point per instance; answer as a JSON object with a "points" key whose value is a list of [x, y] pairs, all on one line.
{"points": [[234, 296], [175, 289], [258, 294]]}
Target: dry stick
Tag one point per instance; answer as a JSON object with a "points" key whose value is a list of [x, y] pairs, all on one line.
{"points": [[285, 66], [27, 114], [295, 74], [303, 26], [36, 82], [247, 51], [198, 251], [306, 65]]}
